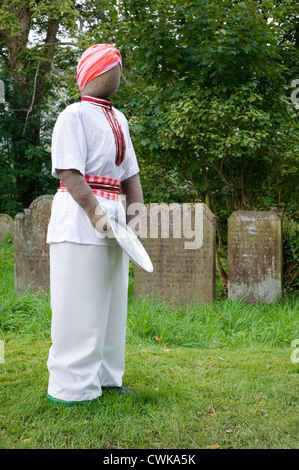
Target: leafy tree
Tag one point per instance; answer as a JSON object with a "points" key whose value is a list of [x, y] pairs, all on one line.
{"points": [[25, 68], [214, 109], [40, 43]]}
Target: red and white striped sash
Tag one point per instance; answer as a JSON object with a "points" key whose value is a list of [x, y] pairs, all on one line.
{"points": [[101, 186]]}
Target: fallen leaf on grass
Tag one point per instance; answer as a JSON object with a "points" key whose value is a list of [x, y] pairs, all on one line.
{"points": [[166, 350], [214, 447], [158, 338], [171, 369], [200, 363], [156, 389], [27, 440], [211, 411]]}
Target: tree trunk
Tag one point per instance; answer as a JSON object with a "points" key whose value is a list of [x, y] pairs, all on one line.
{"points": [[28, 91]]}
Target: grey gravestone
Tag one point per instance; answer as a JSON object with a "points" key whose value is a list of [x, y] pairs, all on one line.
{"points": [[255, 256], [6, 225], [31, 250], [180, 240]]}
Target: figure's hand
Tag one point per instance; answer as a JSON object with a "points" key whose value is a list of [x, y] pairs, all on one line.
{"points": [[100, 220]]}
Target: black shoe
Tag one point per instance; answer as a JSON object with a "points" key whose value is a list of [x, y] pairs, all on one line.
{"points": [[121, 390]]}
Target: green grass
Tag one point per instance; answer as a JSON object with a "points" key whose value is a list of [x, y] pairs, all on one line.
{"points": [[225, 323], [215, 375]]}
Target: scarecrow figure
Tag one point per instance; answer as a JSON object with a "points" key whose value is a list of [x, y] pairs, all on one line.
{"points": [[94, 159]]}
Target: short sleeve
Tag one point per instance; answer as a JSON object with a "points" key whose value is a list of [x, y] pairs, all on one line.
{"points": [[69, 148], [129, 167]]}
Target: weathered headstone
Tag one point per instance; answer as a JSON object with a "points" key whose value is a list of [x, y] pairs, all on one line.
{"points": [[180, 240], [255, 256], [6, 225], [31, 249]]}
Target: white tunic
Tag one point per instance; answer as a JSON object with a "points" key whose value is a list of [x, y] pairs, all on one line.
{"points": [[83, 140]]}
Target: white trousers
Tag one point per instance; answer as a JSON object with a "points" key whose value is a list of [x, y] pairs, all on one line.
{"points": [[88, 286]]}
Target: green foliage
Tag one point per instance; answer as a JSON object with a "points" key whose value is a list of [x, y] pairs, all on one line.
{"points": [[291, 256], [206, 88], [212, 93], [213, 103], [229, 323]]}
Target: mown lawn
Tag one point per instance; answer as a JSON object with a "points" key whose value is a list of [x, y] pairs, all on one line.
{"points": [[220, 375]]}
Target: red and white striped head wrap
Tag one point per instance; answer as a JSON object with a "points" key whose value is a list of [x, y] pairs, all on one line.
{"points": [[95, 61]]}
